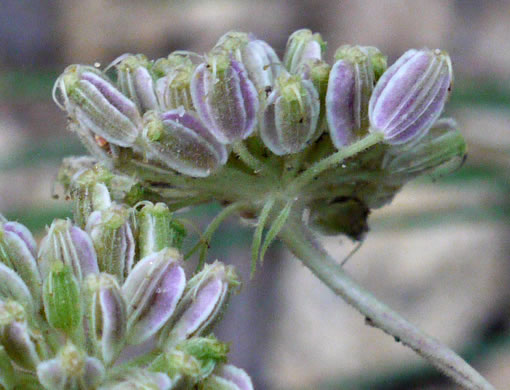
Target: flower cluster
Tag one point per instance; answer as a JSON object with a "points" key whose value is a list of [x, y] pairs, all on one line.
{"points": [[272, 137], [105, 303]]}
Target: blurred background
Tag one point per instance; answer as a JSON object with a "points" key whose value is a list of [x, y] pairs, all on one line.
{"points": [[439, 254]]}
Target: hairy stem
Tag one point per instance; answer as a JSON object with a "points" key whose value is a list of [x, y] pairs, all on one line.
{"points": [[335, 159], [302, 244]]}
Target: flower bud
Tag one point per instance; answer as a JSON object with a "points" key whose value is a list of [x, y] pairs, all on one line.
{"points": [[225, 99], [71, 369], [350, 86], [135, 81], [229, 377], [302, 46], [410, 95], [205, 297], [289, 118], [173, 88], [180, 141], [13, 287], [70, 245], [106, 314], [113, 240], [158, 229], [262, 65], [140, 379], [98, 106], [61, 298], [18, 251], [88, 189], [442, 149], [231, 44], [19, 343], [192, 360], [152, 291]]}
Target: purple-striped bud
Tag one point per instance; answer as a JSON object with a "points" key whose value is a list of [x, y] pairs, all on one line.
{"points": [[231, 44], [71, 369], [139, 379], [157, 229], [262, 64], [135, 81], [70, 245], [180, 141], [410, 95], [152, 291], [204, 299], [112, 236], [302, 46], [229, 377], [19, 342], [98, 107], [173, 86], [350, 86], [18, 251], [13, 287], [105, 311], [61, 298], [225, 98], [290, 114]]}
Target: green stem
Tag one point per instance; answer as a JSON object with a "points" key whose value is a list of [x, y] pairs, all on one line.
{"points": [[213, 226], [246, 157], [335, 159], [301, 243]]}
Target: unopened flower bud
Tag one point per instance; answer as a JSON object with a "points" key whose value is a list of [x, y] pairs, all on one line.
{"points": [[229, 377], [180, 141], [173, 87], [290, 115], [61, 298], [135, 81], [71, 369], [18, 341], [441, 150], [13, 287], [205, 297], [18, 251], [410, 95], [90, 193], [192, 360], [158, 229], [350, 86], [231, 44], [140, 379], [225, 98], [152, 291], [105, 311], [113, 240], [303, 45], [98, 106], [70, 245], [262, 64]]}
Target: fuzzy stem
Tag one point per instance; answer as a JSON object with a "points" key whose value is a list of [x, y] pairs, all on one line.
{"points": [[302, 244], [336, 158], [246, 157]]}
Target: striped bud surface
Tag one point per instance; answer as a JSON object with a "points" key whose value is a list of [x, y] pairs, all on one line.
{"points": [[225, 98], [180, 141], [289, 117], [410, 95]]}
